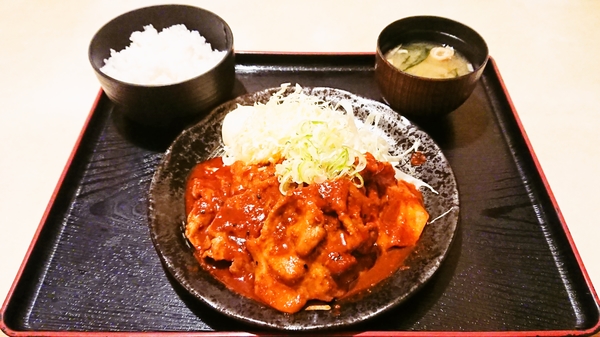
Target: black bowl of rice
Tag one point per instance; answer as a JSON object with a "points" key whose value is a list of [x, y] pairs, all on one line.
{"points": [[165, 66]]}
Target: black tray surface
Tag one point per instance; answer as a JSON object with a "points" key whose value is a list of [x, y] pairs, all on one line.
{"points": [[93, 267]]}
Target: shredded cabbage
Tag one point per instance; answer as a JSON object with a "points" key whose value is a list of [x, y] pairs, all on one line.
{"points": [[314, 140]]}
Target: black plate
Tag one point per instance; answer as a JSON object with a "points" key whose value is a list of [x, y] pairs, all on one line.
{"points": [[203, 141]]}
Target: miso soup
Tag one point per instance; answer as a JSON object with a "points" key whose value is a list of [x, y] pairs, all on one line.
{"points": [[429, 60]]}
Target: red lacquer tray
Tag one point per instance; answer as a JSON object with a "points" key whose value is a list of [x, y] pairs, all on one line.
{"points": [[512, 270]]}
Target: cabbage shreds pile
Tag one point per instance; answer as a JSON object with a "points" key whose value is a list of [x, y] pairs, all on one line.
{"points": [[314, 140]]}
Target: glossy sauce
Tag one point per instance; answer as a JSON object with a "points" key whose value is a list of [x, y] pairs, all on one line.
{"points": [[320, 242]]}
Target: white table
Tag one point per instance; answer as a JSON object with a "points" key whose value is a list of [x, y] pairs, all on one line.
{"points": [[547, 52]]}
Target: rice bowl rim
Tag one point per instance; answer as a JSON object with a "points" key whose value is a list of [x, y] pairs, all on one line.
{"points": [[229, 42]]}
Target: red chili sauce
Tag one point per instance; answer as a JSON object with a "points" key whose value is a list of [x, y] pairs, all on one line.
{"points": [[317, 242]]}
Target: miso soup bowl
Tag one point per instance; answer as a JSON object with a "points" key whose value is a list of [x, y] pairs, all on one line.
{"points": [[171, 105], [422, 98]]}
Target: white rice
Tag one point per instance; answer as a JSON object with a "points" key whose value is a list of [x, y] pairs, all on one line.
{"points": [[158, 58]]}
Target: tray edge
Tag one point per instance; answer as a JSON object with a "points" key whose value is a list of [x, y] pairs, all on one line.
{"points": [[492, 63]]}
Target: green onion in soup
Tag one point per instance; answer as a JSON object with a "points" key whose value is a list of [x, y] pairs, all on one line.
{"points": [[429, 60]]}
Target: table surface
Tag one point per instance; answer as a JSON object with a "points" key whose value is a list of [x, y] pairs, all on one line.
{"points": [[546, 50]]}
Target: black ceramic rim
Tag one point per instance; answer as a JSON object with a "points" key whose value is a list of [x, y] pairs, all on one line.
{"points": [[414, 26]]}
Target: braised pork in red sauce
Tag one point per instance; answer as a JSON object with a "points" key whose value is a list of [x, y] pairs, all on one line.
{"points": [[317, 242]]}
